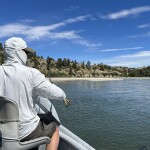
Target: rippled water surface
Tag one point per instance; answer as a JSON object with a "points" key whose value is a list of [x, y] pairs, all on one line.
{"points": [[109, 115]]}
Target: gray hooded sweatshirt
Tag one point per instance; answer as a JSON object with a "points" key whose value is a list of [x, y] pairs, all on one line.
{"points": [[19, 83]]}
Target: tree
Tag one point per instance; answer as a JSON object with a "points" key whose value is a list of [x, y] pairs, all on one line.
{"points": [[70, 71], [74, 65], [94, 73], [36, 62], [49, 63], [64, 62], [94, 67], [101, 66], [88, 65], [59, 63], [83, 65], [68, 62]]}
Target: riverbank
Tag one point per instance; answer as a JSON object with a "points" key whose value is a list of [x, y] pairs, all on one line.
{"points": [[86, 79], [59, 79]]}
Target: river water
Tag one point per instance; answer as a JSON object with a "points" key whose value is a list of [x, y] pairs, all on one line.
{"points": [[109, 115]]}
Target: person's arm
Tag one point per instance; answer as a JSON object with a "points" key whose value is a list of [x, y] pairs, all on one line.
{"points": [[42, 87]]}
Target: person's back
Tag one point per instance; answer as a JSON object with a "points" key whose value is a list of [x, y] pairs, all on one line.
{"points": [[19, 83], [16, 83]]}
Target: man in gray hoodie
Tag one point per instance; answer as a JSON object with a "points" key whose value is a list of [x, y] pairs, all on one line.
{"points": [[19, 83]]}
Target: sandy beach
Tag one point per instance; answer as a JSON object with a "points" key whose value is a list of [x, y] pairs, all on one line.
{"points": [[59, 79], [87, 79]]}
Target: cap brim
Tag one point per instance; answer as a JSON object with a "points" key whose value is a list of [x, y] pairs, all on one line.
{"points": [[29, 50]]}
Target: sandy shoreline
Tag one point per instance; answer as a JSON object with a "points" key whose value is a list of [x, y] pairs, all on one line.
{"points": [[59, 79], [87, 79]]}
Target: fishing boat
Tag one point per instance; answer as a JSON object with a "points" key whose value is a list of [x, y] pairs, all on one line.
{"points": [[9, 123]]}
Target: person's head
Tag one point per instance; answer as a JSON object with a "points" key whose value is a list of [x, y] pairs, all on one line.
{"points": [[15, 50]]}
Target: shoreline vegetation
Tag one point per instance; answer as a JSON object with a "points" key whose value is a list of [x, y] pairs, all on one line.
{"points": [[66, 68]]}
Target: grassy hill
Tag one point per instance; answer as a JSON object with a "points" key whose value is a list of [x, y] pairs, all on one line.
{"points": [[71, 68]]}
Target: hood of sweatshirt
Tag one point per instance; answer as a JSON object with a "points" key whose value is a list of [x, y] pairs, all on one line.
{"points": [[13, 50]]}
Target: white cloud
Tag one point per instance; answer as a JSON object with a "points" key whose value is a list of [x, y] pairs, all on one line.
{"points": [[136, 55], [13, 29], [129, 63], [143, 26], [34, 33], [38, 32], [68, 21], [79, 18], [126, 13], [49, 31], [87, 43], [71, 8], [117, 49], [64, 35], [27, 20], [138, 59], [53, 43], [140, 35]]}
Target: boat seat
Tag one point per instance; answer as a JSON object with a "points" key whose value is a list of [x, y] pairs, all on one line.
{"points": [[9, 128]]}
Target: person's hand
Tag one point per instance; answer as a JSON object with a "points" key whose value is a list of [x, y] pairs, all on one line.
{"points": [[67, 102]]}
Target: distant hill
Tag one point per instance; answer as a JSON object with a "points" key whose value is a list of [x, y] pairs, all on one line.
{"points": [[71, 68]]}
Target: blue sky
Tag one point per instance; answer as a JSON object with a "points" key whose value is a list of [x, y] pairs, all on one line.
{"points": [[115, 32]]}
